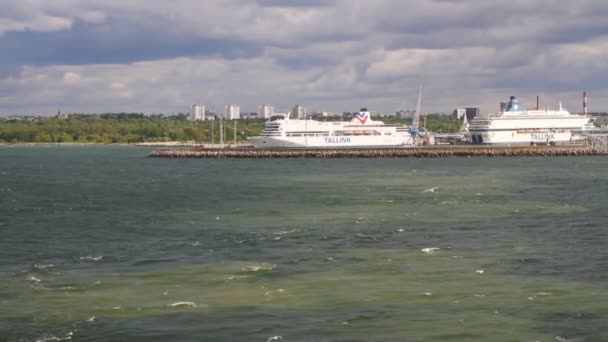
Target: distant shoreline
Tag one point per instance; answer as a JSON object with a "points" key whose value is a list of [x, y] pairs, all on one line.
{"points": [[149, 144]]}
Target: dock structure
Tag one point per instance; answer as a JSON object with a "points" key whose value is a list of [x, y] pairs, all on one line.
{"points": [[417, 152]]}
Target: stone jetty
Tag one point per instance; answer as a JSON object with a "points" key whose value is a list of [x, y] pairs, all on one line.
{"points": [[415, 152]]}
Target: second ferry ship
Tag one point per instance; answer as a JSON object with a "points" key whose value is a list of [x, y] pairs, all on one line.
{"points": [[360, 131], [515, 125]]}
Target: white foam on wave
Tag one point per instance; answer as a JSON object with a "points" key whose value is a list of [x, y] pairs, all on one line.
{"points": [[67, 337], [43, 266], [285, 232], [430, 250], [431, 189], [367, 236], [34, 279], [480, 271], [274, 292], [185, 304], [257, 268], [91, 319], [91, 258], [275, 338]]}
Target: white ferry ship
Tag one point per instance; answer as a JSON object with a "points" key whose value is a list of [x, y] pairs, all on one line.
{"points": [[515, 125], [360, 131]]}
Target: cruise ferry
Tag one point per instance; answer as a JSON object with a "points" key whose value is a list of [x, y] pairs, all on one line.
{"points": [[514, 125], [360, 131]]}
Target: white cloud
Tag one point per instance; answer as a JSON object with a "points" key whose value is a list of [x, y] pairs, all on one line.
{"points": [[71, 78]]}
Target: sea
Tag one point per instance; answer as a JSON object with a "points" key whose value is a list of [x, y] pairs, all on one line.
{"points": [[103, 243]]}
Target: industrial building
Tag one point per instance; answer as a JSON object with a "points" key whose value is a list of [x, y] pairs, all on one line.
{"points": [[459, 113], [197, 112], [470, 113], [266, 111], [233, 112], [405, 114]]}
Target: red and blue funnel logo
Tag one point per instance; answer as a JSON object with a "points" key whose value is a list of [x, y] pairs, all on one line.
{"points": [[361, 117]]}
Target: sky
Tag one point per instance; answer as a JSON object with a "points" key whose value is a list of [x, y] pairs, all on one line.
{"points": [[158, 56]]}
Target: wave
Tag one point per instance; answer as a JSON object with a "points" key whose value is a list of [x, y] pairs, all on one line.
{"points": [[91, 258], [430, 250], [257, 268], [185, 304]]}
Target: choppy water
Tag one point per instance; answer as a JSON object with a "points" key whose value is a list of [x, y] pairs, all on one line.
{"points": [[103, 244]]}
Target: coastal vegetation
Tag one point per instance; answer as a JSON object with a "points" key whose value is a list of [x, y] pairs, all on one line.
{"points": [[136, 127], [121, 128]]}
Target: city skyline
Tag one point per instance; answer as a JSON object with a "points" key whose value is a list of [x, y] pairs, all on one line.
{"points": [[330, 55]]}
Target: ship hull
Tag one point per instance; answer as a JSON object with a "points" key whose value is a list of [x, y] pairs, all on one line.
{"points": [[331, 142], [521, 137], [534, 127]]}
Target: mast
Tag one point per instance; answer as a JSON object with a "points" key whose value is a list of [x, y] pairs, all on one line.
{"points": [[222, 131], [212, 139], [306, 134], [585, 103], [415, 121]]}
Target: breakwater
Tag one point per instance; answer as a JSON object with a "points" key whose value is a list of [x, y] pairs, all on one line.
{"points": [[416, 152]]}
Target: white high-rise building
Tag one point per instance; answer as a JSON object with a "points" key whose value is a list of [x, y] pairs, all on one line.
{"points": [[233, 112], [197, 112], [298, 112], [266, 111]]}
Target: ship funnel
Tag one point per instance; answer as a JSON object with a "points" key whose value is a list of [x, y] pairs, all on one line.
{"points": [[514, 105], [362, 116]]}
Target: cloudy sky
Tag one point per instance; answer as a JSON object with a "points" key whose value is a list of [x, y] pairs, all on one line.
{"points": [[335, 55]]}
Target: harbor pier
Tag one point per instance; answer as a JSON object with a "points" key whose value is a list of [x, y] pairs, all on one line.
{"points": [[411, 152]]}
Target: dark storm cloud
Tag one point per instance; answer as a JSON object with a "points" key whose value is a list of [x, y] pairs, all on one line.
{"points": [[116, 41], [447, 24]]}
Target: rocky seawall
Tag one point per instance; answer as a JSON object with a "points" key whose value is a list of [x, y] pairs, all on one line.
{"points": [[418, 152]]}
